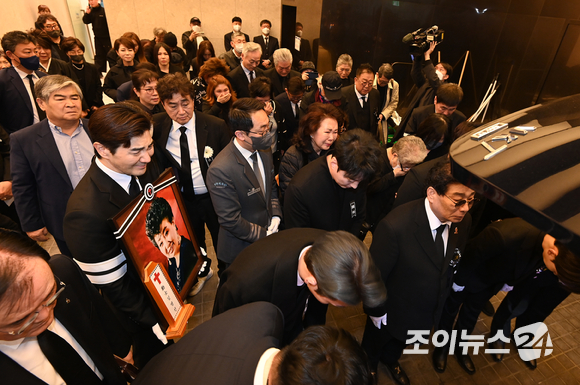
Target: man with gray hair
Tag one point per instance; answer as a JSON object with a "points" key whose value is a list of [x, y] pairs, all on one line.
{"points": [[282, 71], [248, 70], [395, 163], [233, 57], [389, 90], [49, 158]]}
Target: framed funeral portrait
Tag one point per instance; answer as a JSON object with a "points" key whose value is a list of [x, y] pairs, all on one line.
{"points": [[159, 241]]}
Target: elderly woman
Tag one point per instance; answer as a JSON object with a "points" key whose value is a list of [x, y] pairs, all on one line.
{"points": [[211, 68], [344, 68], [317, 132], [145, 89]]}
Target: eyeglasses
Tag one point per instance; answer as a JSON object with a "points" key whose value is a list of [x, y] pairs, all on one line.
{"points": [[366, 83], [462, 202], [263, 132], [405, 168], [48, 304], [149, 90], [51, 26]]}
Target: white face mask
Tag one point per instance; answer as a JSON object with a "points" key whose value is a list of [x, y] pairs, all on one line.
{"points": [[239, 47], [237, 27], [196, 28], [439, 75], [266, 31], [299, 33]]}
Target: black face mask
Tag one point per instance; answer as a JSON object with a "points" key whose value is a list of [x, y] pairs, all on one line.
{"points": [[54, 33], [77, 58]]}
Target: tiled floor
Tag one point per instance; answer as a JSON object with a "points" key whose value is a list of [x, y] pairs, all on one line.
{"points": [[561, 367]]}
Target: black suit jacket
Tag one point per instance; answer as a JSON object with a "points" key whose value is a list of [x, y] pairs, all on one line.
{"points": [[87, 317], [313, 199], [209, 131], [277, 84], [305, 53], [90, 239], [93, 91], [374, 101], [421, 113], [190, 46], [273, 45], [228, 40], [15, 107], [60, 67], [40, 183], [417, 279], [240, 82], [223, 350], [288, 124], [413, 186], [265, 271], [505, 251]]}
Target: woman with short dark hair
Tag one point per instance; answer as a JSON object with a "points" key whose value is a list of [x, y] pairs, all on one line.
{"points": [[162, 59], [122, 71]]}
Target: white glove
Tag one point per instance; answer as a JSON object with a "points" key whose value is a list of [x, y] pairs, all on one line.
{"points": [[273, 228], [377, 321], [159, 334], [507, 288], [457, 288]]}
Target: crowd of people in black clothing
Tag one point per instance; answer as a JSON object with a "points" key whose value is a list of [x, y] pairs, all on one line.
{"points": [[281, 150]]}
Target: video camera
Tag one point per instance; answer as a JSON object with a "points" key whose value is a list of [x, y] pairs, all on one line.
{"points": [[419, 40]]}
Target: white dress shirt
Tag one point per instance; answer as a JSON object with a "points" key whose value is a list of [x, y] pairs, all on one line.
{"points": [[122, 180], [434, 224], [26, 352], [174, 149]]}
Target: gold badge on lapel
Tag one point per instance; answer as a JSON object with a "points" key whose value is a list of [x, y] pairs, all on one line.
{"points": [[456, 232]]}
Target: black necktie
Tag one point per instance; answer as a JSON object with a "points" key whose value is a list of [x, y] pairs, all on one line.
{"points": [[364, 99], [254, 158], [134, 188], [267, 44], [439, 245], [41, 114], [251, 76], [66, 361], [187, 183]]}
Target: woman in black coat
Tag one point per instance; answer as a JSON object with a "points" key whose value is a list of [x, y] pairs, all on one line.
{"points": [[317, 132], [122, 71]]}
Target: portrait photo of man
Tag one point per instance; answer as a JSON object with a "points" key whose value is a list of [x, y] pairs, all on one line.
{"points": [[162, 231]]}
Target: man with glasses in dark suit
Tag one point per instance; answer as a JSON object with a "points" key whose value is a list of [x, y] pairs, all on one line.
{"points": [[416, 247]]}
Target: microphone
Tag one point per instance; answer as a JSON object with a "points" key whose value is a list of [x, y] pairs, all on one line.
{"points": [[410, 37]]}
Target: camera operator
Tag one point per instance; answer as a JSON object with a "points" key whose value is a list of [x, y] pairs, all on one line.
{"points": [[427, 78]]}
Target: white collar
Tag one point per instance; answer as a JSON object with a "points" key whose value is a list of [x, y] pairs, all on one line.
{"points": [[23, 74], [189, 125], [245, 153], [300, 281], [434, 222], [358, 95], [122, 180], [264, 365]]}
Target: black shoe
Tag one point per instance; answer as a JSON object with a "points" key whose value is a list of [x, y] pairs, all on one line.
{"points": [[398, 374], [440, 358], [465, 362], [488, 309], [497, 357], [532, 364]]}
